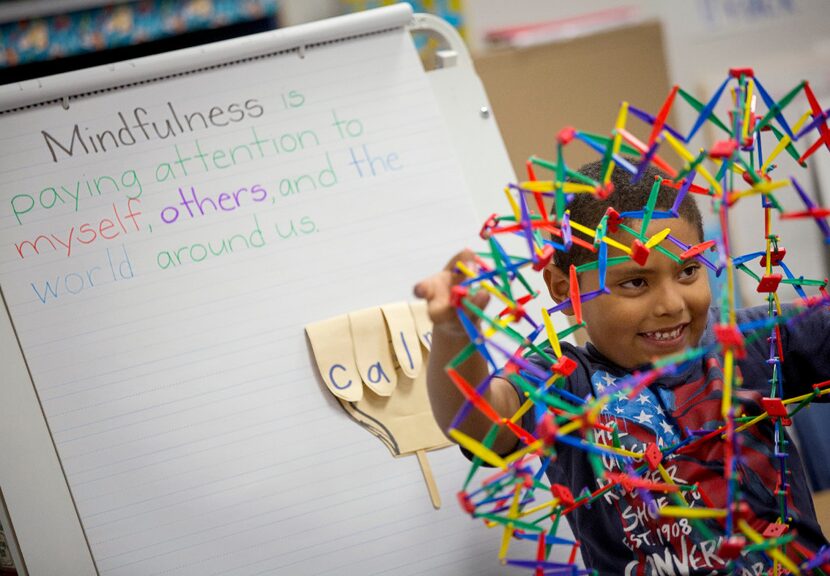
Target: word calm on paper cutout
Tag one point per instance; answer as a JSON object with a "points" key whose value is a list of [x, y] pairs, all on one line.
{"points": [[374, 362]]}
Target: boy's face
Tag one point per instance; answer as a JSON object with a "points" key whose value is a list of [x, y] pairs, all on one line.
{"points": [[652, 310]]}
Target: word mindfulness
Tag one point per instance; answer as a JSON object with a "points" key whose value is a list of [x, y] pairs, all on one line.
{"points": [[141, 125]]}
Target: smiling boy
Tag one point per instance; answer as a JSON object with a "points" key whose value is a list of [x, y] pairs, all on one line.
{"points": [[650, 311]]}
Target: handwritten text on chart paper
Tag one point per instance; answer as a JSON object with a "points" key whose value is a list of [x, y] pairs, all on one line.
{"points": [[190, 185]]}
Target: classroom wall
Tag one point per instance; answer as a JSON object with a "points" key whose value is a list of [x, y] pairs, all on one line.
{"points": [[537, 91], [702, 37]]}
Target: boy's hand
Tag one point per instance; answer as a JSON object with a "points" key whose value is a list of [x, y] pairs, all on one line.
{"points": [[437, 291], [449, 339]]}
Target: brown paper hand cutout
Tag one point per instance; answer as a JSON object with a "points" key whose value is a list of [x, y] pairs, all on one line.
{"points": [[374, 362]]}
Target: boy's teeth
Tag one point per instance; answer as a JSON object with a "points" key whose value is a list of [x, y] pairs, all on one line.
{"points": [[670, 335]]}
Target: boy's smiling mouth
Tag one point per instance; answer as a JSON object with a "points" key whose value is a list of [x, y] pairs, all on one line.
{"points": [[666, 336]]}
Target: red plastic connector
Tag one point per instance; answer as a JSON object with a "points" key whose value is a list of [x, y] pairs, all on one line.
{"points": [[731, 548], [458, 293], [487, 228], [776, 409], [518, 312], [562, 494], [723, 149], [775, 257], [738, 72], [769, 283], [604, 191], [639, 252], [747, 176], [697, 249], [775, 530], [544, 258], [731, 338], [466, 503], [741, 510], [546, 429], [564, 366], [614, 220], [566, 135], [653, 456]]}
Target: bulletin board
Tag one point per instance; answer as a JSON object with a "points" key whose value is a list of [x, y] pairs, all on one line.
{"points": [[167, 227]]}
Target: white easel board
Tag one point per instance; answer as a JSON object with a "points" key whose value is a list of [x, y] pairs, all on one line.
{"points": [[159, 413]]}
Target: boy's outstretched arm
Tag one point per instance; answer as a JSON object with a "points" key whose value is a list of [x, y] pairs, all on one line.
{"points": [[448, 339]]}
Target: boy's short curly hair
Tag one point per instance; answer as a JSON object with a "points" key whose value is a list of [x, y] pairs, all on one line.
{"points": [[588, 209]]}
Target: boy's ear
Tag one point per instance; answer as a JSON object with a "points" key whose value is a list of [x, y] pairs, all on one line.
{"points": [[558, 285]]}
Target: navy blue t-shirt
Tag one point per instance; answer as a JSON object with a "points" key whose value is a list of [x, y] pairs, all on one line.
{"points": [[620, 534]]}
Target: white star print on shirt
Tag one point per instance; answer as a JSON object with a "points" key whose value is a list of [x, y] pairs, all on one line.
{"points": [[604, 382], [643, 417], [645, 409]]}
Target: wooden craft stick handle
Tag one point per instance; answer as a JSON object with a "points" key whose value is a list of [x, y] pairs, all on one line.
{"points": [[432, 487]]}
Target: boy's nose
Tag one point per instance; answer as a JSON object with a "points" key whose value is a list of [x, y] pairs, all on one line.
{"points": [[669, 301]]}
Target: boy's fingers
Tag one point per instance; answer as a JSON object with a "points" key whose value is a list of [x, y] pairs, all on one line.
{"points": [[437, 289], [466, 256], [421, 290], [480, 299], [441, 313], [430, 288]]}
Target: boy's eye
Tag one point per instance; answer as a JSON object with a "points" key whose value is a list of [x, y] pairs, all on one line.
{"points": [[634, 283], [689, 271]]}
